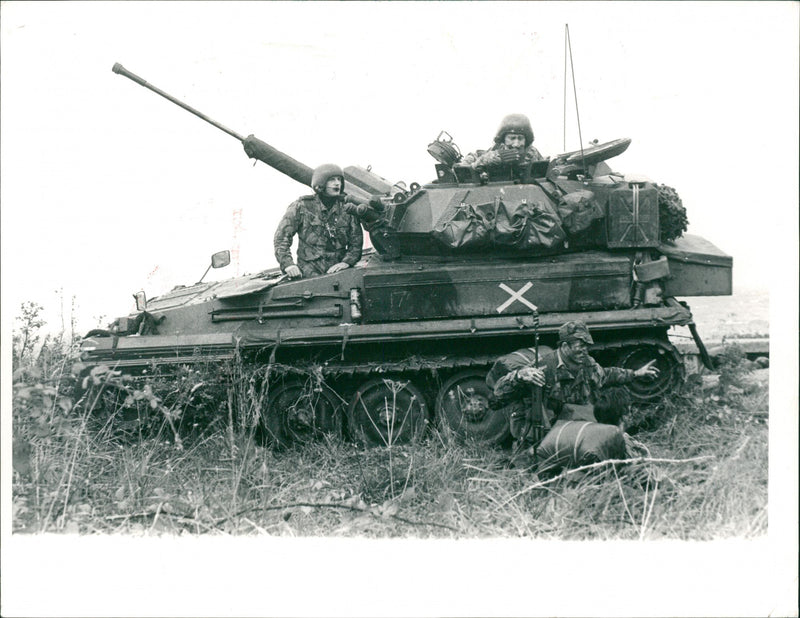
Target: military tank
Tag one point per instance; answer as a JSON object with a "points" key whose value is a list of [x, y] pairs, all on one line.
{"points": [[467, 267]]}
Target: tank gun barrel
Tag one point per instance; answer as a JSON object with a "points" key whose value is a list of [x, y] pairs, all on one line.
{"points": [[254, 147], [121, 70]]}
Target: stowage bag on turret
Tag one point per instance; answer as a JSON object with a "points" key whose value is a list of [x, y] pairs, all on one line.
{"points": [[463, 226], [578, 210], [527, 226], [524, 226]]}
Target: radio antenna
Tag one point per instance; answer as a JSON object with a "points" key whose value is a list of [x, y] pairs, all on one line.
{"points": [[568, 53]]}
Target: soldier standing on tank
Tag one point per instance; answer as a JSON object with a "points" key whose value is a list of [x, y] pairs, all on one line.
{"points": [[567, 375], [513, 145], [329, 233]]}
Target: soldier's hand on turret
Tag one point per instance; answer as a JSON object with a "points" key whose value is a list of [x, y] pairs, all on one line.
{"points": [[337, 267], [647, 371], [294, 272], [532, 375], [510, 155]]}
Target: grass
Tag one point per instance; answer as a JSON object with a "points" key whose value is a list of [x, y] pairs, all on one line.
{"points": [[194, 463], [182, 453]]}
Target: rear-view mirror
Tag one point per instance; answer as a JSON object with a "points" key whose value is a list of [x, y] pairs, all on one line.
{"points": [[221, 259], [141, 300]]}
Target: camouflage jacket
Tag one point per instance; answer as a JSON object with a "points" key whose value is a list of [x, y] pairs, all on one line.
{"points": [[563, 384], [326, 236], [492, 156]]}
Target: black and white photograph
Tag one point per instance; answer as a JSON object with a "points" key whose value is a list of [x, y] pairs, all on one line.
{"points": [[399, 308]]}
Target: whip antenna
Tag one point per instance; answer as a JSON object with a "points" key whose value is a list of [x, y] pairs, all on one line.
{"points": [[564, 145], [568, 51]]}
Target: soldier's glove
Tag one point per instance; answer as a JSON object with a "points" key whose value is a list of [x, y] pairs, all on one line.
{"points": [[337, 267], [294, 272], [376, 204], [510, 155], [363, 212]]}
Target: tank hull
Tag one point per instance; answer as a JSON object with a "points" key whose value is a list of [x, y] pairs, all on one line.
{"points": [[389, 303], [428, 327], [350, 344]]}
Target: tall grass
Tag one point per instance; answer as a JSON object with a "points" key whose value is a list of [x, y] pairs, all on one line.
{"points": [[182, 453]]}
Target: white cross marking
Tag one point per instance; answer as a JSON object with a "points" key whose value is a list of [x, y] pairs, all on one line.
{"points": [[516, 296]]}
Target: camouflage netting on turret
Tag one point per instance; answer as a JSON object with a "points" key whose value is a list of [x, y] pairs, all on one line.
{"points": [[671, 213]]}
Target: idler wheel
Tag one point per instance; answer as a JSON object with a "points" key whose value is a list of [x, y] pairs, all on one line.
{"points": [[670, 371], [298, 411], [463, 407], [387, 411]]}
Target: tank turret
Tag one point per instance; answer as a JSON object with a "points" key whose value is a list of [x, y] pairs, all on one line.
{"points": [[546, 207]]}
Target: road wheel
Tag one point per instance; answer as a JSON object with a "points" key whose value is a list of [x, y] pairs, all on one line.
{"points": [[463, 406], [298, 411], [670, 371], [115, 414], [386, 412]]}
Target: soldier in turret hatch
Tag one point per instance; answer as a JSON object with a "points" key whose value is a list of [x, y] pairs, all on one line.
{"points": [[329, 233], [513, 145]]}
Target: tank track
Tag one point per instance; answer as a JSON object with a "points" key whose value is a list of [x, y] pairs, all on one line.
{"points": [[431, 371], [431, 384], [434, 363]]}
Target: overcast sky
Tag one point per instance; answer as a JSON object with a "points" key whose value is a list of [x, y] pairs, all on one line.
{"points": [[108, 188]]}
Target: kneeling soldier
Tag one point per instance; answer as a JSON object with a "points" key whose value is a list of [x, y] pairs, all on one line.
{"points": [[566, 375]]}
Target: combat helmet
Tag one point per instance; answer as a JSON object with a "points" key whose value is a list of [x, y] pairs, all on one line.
{"points": [[575, 330], [515, 123], [323, 173]]}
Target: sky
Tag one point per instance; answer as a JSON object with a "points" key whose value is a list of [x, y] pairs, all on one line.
{"points": [[108, 188]]}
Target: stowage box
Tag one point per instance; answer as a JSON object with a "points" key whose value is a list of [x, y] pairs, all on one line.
{"points": [[697, 268]]}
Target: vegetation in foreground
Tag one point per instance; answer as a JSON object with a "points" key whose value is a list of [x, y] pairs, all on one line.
{"points": [[96, 453]]}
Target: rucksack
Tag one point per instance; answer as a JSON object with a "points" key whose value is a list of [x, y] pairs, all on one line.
{"points": [[578, 443]]}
